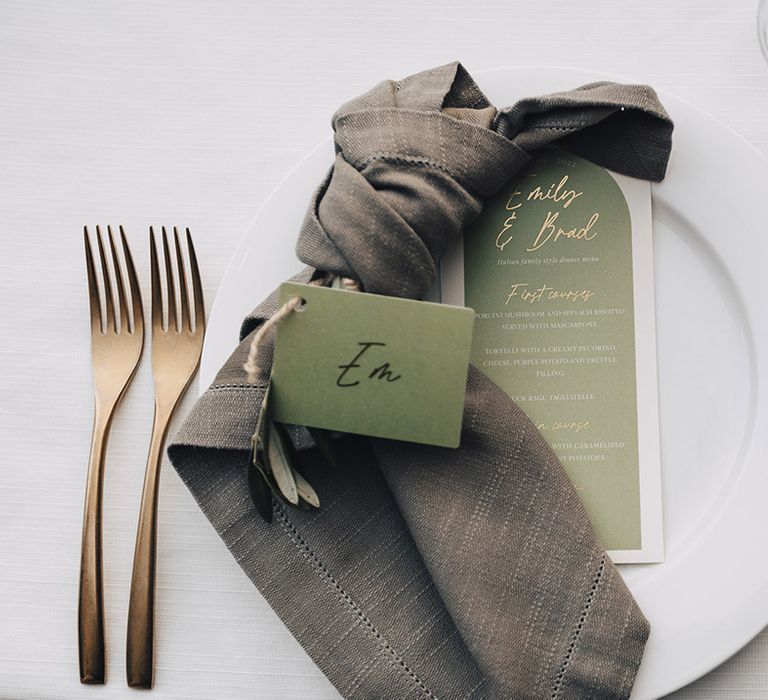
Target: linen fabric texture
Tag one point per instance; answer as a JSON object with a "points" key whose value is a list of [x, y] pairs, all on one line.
{"points": [[431, 572]]}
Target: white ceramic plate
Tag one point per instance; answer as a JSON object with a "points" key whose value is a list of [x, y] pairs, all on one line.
{"points": [[710, 597]]}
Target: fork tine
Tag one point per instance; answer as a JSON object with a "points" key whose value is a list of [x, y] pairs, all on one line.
{"points": [[185, 321], [107, 285], [173, 311], [157, 299], [133, 284], [93, 286], [197, 286], [121, 300]]}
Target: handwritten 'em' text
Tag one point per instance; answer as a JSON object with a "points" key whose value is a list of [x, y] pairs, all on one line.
{"points": [[382, 371]]}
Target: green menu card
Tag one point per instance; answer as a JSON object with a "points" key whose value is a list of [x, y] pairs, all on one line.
{"points": [[559, 271]]}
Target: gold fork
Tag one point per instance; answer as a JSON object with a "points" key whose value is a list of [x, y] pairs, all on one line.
{"points": [[116, 344], [176, 348]]}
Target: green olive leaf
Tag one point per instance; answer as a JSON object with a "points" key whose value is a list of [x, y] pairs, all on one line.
{"points": [[257, 474], [271, 467], [307, 495], [305, 490], [279, 461], [259, 488]]}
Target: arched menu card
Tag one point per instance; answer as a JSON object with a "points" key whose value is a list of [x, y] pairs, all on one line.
{"points": [[559, 270]]}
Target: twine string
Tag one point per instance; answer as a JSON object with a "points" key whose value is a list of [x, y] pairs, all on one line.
{"points": [[252, 366]]}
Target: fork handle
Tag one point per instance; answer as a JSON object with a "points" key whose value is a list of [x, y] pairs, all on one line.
{"points": [[90, 614], [141, 608]]}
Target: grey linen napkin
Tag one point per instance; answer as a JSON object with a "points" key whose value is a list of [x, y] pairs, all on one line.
{"points": [[430, 572]]}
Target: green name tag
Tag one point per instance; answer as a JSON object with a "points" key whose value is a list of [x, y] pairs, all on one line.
{"points": [[372, 365]]}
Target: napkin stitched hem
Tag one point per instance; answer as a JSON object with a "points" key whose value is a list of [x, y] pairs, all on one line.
{"points": [[317, 565]]}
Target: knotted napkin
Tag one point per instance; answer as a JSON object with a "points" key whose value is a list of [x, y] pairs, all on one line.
{"points": [[431, 572]]}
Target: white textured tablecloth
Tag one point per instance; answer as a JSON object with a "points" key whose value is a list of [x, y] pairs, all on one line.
{"points": [[139, 114]]}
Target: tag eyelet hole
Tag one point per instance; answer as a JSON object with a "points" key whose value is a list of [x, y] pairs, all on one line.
{"points": [[301, 306]]}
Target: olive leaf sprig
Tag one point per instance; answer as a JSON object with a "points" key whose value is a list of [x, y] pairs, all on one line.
{"points": [[271, 469]]}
